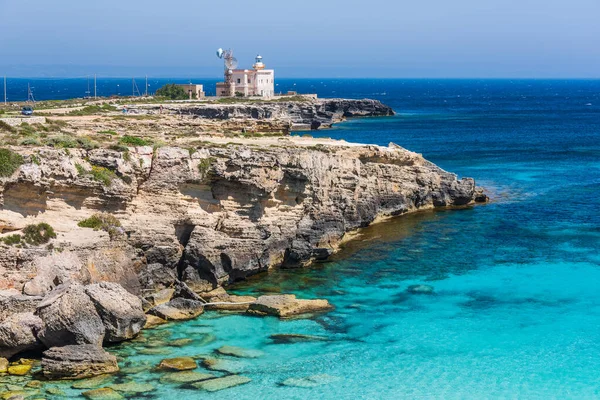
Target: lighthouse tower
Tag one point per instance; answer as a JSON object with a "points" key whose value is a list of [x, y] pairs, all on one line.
{"points": [[258, 63]]}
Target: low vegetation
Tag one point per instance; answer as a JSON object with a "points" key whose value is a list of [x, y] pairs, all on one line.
{"points": [[103, 221], [38, 234], [205, 164], [102, 175], [93, 109], [128, 140], [9, 162], [11, 240], [4, 127], [71, 142]]}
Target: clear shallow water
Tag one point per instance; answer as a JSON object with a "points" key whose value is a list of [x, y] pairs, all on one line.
{"points": [[516, 309]]}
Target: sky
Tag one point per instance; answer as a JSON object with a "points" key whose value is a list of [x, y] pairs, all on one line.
{"points": [[307, 38]]}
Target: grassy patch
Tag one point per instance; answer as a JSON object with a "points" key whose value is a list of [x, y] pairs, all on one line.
{"points": [[11, 240], [134, 141], [9, 162], [4, 127], [108, 132], [38, 234], [103, 221], [94, 109], [103, 175], [30, 141]]}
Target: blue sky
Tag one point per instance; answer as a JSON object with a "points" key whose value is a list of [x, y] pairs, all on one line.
{"points": [[308, 38]]}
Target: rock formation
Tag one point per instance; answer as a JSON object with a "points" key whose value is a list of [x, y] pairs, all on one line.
{"points": [[77, 362]]}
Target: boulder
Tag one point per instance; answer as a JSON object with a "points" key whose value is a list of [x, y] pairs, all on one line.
{"points": [[183, 291], [153, 321], [157, 277], [213, 385], [77, 362], [70, 318], [178, 309], [17, 303], [19, 369], [160, 297], [3, 365], [178, 364], [286, 305], [18, 333], [120, 311], [230, 302]]}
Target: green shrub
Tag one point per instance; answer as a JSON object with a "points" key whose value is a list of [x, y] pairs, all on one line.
{"points": [[108, 132], [134, 141], [35, 159], [11, 240], [103, 175], [30, 141], [205, 164], [103, 221], [80, 169], [38, 234], [173, 92], [9, 162]]}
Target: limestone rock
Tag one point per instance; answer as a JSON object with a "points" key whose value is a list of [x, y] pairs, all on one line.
{"points": [[69, 318], [185, 377], [20, 369], [178, 309], [239, 352], [219, 364], [77, 362], [18, 333], [102, 394], [157, 277], [286, 305], [3, 365], [92, 383], [213, 385], [17, 303], [160, 297], [178, 364], [132, 387], [310, 381], [120, 311], [153, 321]]}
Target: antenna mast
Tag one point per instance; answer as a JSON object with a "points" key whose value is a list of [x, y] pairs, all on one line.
{"points": [[230, 64]]}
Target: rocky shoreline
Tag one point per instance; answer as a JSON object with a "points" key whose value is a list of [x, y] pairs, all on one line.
{"points": [[96, 244]]}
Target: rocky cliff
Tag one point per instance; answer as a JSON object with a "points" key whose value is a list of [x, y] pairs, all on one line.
{"points": [[211, 214], [285, 115]]}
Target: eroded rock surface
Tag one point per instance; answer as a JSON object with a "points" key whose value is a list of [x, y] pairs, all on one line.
{"points": [[77, 362], [18, 332]]}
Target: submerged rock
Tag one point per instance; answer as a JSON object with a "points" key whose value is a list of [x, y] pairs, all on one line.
{"points": [[133, 387], [92, 383], [77, 362], [420, 289], [178, 364], [219, 364], [310, 381], [178, 309], [185, 377], [121, 312], [239, 352], [18, 333], [286, 305], [284, 338], [213, 385], [70, 318], [102, 394]]}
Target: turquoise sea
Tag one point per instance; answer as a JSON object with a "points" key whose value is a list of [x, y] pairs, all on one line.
{"points": [[515, 311]]}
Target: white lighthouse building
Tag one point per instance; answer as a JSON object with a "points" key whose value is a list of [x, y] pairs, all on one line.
{"points": [[257, 81]]}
